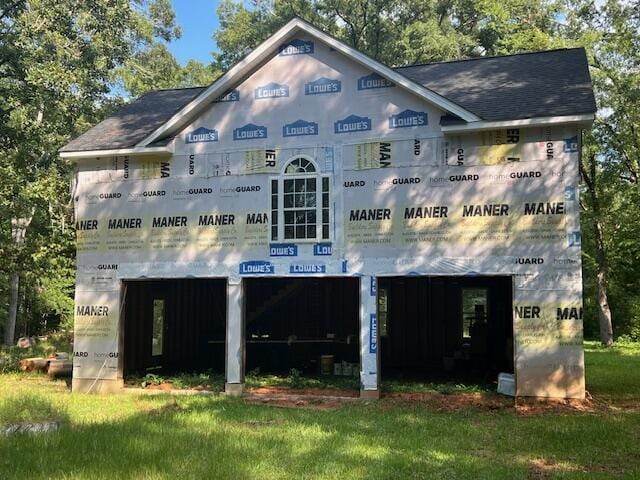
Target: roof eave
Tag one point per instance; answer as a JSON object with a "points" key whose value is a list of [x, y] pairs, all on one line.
{"points": [[137, 151], [584, 119]]}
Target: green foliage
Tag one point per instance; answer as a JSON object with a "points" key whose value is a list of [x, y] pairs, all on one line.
{"points": [[611, 34], [397, 32], [60, 61], [294, 378]]}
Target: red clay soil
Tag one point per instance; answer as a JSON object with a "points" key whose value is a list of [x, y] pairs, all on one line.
{"points": [[316, 392], [315, 403]]}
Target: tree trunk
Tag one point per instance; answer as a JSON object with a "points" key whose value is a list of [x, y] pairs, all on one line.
{"points": [[10, 327], [18, 233], [604, 312]]}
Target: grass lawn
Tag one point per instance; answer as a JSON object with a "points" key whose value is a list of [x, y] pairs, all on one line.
{"points": [[140, 436]]}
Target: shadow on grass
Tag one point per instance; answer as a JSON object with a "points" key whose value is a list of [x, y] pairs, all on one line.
{"points": [[205, 437]]}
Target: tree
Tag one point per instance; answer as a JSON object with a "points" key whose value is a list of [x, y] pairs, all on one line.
{"points": [[58, 62], [397, 32], [151, 66], [610, 166]]}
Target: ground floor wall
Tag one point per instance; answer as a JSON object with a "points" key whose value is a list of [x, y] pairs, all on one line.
{"points": [[546, 316]]}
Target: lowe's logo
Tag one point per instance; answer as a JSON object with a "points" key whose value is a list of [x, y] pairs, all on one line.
{"points": [[272, 90], [250, 132], [571, 144], [574, 239], [408, 118], [322, 85], [322, 249], [352, 123], [374, 80], [373, 333], [283, 250], [230, 96], [256, 266], [307, 268], [201, 135], [296, 47], [299, 128]]}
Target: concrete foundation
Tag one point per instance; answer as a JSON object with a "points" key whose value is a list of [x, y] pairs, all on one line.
{"points": [[370, 394], [234, 389], [84, 385]]}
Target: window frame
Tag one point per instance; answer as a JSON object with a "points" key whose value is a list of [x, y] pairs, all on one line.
{"points": [[318, 177]]}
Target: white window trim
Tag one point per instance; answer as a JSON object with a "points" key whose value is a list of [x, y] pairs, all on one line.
{"points": [[318, 176]]}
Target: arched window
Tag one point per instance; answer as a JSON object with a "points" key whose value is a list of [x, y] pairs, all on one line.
{"points": [[300, 203]]}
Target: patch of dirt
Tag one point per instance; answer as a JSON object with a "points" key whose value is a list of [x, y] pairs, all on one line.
{"points": [[540, 468], [161, 386], [536, 406], [296, 402], [316, 392], [451, 403]]}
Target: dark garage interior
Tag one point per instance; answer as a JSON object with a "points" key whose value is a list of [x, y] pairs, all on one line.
{"points": [[445, 328], [175, 325], [293, 322]]}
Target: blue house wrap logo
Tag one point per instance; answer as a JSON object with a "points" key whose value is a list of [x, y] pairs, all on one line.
{"points": [[300, 128], [374, 80], [256, 266], [574, 239], [322, 85], [571, 144], [322, 249], [272, 90], [250, 132], [373, 333], [296, 47], [352, 123], [307, 268], [230, 96], [408, 118], [201, 135], [283, 250]]}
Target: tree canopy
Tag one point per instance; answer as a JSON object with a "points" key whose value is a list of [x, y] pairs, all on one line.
{"points": [[65, 64]]}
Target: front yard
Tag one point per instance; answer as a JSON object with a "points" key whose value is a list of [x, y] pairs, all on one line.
{"points": [[459, 435]]}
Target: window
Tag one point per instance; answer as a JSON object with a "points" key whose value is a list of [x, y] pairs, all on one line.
{"points": [[158, 328], [383, 311], [474, 309], [300, 203]]}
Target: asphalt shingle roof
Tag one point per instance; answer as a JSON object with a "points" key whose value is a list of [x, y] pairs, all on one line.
{"points": [[133, 122], [512, 87]]}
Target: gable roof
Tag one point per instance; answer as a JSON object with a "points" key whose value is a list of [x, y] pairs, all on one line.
{"points": [[512, 87], [133, 122], [475, 92]]}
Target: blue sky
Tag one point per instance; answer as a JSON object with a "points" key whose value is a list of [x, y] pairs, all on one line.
{"points": [[198, 20]]}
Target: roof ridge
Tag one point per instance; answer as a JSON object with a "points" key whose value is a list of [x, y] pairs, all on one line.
{"points": [[173, 89], [469, 59]]}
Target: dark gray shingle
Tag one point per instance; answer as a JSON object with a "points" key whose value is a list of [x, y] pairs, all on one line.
{"points": [[512, 87], [134, 121]]}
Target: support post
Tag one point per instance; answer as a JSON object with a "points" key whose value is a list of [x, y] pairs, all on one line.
{"points": [[369, 379], [234, 384]]}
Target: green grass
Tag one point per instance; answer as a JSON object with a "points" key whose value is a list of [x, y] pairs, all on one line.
{"points": [[154, 437], [613, 374]]}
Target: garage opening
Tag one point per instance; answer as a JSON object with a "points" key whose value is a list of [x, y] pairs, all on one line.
{"points": [[175, 325], [445, 328], [309, 324]]}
